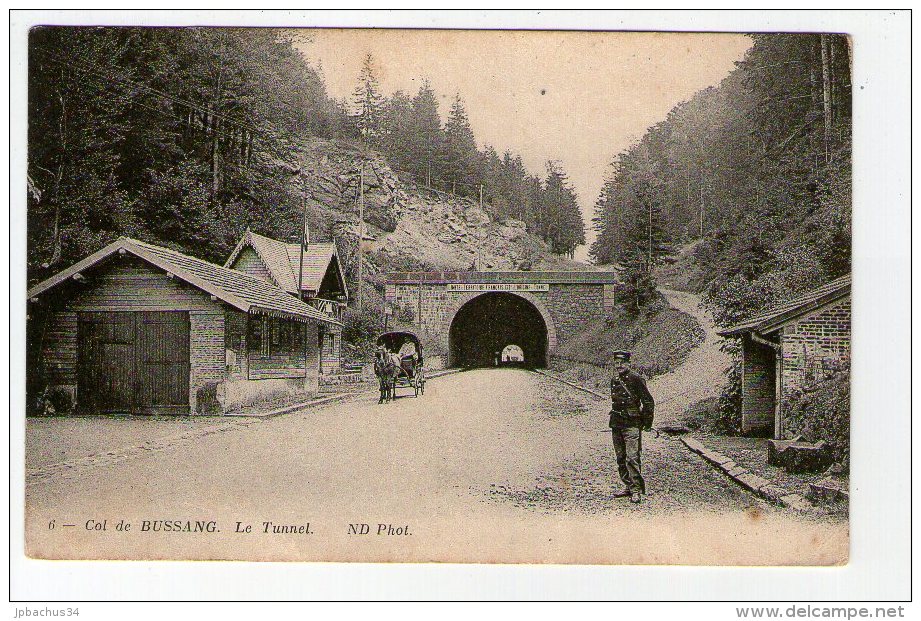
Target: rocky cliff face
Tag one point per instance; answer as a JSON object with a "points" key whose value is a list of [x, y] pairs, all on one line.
{"points": [[407, 226]]}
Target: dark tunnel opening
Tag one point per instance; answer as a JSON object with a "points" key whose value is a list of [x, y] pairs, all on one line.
{"points": [[486, 325]]}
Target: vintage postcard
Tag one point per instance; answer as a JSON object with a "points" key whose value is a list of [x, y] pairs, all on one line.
{"points": [[475, 296]]}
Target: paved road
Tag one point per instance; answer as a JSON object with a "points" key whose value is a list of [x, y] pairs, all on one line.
{"points": [[488, 466]]}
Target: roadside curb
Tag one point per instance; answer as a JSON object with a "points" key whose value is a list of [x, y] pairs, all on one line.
{"points": [[324, 400], [444, 372], [752, 482], [291, 408], [75, 466], [568, 383]]}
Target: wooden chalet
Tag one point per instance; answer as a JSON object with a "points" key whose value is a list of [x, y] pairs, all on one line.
{"points": [[321, 283], [142, 329]]}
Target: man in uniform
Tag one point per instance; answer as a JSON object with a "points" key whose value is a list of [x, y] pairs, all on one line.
{"points": [[632, 410]]}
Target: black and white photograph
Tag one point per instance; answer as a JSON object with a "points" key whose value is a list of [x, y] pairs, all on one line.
{"points": [[477, 296]]}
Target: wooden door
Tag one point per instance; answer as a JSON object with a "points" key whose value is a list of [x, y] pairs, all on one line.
{"points": [[105, 366], [162, 363], [133, 362]]}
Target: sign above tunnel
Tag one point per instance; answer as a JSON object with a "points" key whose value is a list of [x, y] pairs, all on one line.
{"points": [[508, 287]]}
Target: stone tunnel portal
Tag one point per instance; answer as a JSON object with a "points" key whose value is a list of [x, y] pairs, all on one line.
{"points": [[487, 324]]}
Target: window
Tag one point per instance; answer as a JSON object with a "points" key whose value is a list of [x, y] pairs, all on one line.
{"points": [[266, 337], [266, 334]]}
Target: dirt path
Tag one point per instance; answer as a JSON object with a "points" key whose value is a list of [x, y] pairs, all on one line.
{"points": [[701, 376], [494, 465]]}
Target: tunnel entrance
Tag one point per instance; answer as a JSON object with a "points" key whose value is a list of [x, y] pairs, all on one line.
{"points": [[512, 353], [486, 325]]}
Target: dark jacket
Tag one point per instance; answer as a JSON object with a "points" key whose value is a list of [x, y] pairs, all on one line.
{"points": [[631, 403]]}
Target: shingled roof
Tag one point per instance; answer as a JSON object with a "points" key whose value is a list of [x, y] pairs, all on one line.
{"points": [[283, 259], [242, 291], [770, 320]]}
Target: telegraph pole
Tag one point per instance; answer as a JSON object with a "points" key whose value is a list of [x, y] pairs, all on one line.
{"points": [[305, 239], [622, 218], [701, 209], [361, 225], [479, 246], [649, 243]]}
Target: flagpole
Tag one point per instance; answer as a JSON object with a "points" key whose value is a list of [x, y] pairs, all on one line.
{"points": [[361, 226], [304, 241]]}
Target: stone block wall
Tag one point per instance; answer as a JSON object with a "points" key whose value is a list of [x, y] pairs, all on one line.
{"points": [[311, 382], [332, 350], [206, 361], [573, 308], [567, 308], [235, 345], [436, 302]]}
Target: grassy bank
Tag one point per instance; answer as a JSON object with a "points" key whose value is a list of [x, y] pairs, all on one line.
{"points": [[660, 337]]}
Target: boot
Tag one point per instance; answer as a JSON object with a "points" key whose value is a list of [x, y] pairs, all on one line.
{"points": [[635, 497]]}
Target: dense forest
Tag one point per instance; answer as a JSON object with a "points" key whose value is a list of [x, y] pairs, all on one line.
{"points": [[176, 135], [408, 130], [757, 170], [752, 179]]}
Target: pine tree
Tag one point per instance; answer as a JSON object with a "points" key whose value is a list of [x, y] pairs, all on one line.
{"points": [[426, 138], [496, 182], [397, 131], [758, 169], [517, 184], [639, 285], [609, 218], [163, 134], [561, 223], [461, 161], [368, 103], [648, 235]]}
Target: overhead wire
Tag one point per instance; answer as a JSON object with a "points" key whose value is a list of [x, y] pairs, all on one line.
{"points": [[187, 103], [110, 73], [103, 81]]}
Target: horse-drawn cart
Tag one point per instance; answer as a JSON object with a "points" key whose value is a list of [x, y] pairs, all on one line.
{"points": [[398, 363]]}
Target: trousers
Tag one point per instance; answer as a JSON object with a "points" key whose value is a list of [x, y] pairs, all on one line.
{"points": [[627, 447]]}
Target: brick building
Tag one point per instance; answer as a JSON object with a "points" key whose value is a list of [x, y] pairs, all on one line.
{"points": [[137, 328], [321, 283], [789, 347]]}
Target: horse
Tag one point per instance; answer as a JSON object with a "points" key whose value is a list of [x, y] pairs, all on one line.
{"points": [[386, 368]]}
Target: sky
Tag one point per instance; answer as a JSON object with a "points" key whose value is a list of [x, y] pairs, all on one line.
{"points": [[576, 97]]}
